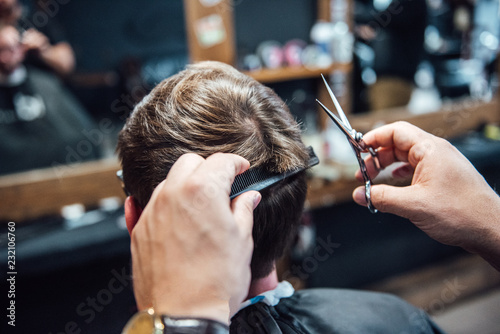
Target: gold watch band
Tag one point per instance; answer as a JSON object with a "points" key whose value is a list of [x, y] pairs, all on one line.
{"points": [[148, 322], [144, 322]]}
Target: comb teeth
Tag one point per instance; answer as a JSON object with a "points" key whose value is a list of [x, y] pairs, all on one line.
{"points": [[255, 179], [259, 179], [249, 178]]}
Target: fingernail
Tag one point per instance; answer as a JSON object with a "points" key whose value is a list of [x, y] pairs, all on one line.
{"points": [[359, 196], [256, 200]]}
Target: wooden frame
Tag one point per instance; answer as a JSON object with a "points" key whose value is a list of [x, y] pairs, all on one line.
{"points": [[224, 51], [42, 192]]}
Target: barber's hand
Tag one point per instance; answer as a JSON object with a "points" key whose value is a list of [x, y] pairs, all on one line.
{"points": [[35, 40], [191, 248], [448, 199]]}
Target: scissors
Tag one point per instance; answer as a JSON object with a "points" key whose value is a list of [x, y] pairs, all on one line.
{"points": [[356, 140]]}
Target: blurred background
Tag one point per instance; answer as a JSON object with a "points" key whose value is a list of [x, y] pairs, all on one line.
{"points": [[71, 71]]}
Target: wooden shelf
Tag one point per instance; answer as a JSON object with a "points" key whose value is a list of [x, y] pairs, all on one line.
{"points": [[294, 73], [321, 193], [43, 192], [424, 286]]}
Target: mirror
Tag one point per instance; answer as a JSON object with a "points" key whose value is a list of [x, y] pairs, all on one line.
{"points": [[53, 113]]}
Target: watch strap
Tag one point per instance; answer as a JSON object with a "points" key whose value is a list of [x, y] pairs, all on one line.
{"points": [[193, 326]]}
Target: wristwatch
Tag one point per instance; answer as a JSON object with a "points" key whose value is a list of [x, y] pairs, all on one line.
{"points": [[148, 322]]}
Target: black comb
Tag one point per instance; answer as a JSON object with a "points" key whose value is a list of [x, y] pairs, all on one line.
{"points": [[259, 179]]}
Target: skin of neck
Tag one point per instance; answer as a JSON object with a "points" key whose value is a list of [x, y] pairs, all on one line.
{"points": [[264, 284]]}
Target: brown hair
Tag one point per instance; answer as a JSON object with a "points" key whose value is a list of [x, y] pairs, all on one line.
{"points": [[211, 107]]}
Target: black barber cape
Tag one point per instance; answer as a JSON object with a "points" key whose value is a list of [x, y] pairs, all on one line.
{"points": [[42, 124], [325, 311]]}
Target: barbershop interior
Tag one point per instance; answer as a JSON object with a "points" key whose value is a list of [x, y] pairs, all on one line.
{"points": [[72, 71]]}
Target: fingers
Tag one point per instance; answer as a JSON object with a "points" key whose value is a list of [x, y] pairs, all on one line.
{"points": [[34, 39], [396, 200], [243, 206], [181, 170], [184, 167], [204, 182], [220, 170], [386, 156], [221, 167], [401, 135], [394, 143]]}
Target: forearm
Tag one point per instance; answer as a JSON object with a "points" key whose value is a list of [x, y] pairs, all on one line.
{"points": [[60, 58], [487, 244]]}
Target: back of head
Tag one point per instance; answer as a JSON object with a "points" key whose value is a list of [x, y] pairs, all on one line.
{"points": [[208, 108]]}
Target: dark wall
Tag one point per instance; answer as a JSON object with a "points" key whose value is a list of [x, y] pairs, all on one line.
{"points": [[261, 20], [105, 32]]}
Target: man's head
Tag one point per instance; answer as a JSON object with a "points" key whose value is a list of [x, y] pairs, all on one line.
{"points": [[210, 107], [10, 11], [11, 50]]}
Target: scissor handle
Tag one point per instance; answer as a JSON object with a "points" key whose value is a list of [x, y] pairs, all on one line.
{"points": [[366, 178], [376, 161], [362, 145], [368, 197], [368, 184]]}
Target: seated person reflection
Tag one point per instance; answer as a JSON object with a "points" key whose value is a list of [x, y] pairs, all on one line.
{"points": [[45, 44], [41, 124], [210, 108]]}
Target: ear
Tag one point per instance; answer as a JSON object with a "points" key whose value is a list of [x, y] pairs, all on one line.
{"points": [[132, 213]]}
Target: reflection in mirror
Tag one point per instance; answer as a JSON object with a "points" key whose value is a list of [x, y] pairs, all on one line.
{"points": [[68, 81], [41, 123]]}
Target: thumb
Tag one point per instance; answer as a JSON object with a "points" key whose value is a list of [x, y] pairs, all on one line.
{"points": [[243, 206], [396, 200]]}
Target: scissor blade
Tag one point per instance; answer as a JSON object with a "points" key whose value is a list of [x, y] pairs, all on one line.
{"points": [[337, 121], [337, 105]]}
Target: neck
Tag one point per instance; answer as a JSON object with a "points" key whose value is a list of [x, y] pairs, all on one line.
{"points": [[264, 284]]}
